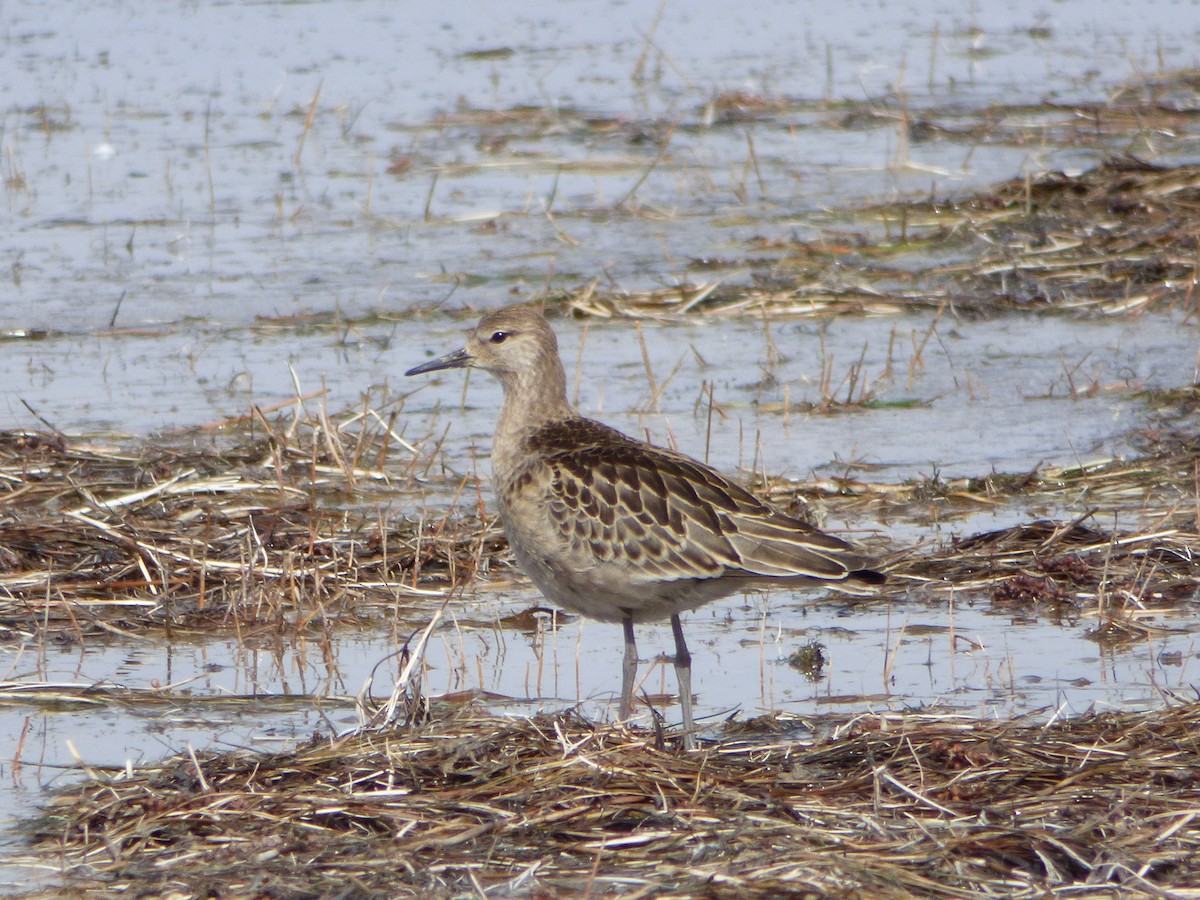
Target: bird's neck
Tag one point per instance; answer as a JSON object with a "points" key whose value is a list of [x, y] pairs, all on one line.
{"points": [[532, 398]]}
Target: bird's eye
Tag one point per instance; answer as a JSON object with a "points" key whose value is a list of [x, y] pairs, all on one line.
{"points": [[498, 337]]}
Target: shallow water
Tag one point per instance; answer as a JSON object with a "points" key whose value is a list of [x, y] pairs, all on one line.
{"points": [[165, 198], [163, 153], [995, 397]]}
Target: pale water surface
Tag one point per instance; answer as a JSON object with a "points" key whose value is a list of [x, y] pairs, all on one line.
{"points": [[164, 193]]}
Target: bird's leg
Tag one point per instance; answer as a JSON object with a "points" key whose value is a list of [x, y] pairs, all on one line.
{"points": [[628, 668], [683, 673]]}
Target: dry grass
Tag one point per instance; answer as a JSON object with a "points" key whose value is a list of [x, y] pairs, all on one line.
{"points": [[264, 535], [470, 804], [274, 530], [1127, 560], [1118, 239], [461, 802]]}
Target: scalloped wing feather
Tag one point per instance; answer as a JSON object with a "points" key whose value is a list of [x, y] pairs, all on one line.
{"points": [[660, 515]]}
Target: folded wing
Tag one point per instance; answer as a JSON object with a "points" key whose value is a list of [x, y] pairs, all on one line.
{"points": [[664, 516]]}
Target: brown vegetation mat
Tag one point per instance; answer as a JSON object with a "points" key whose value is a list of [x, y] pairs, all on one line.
{"points": [[1129, 556], [275, 530], [1119, 238], [883, 806], [278, 531]]}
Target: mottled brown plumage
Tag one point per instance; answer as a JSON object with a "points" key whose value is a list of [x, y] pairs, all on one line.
{"points": [[616, 528]]}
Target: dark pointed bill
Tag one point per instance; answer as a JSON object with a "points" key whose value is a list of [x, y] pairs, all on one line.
{"points": [[454, 360]]}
